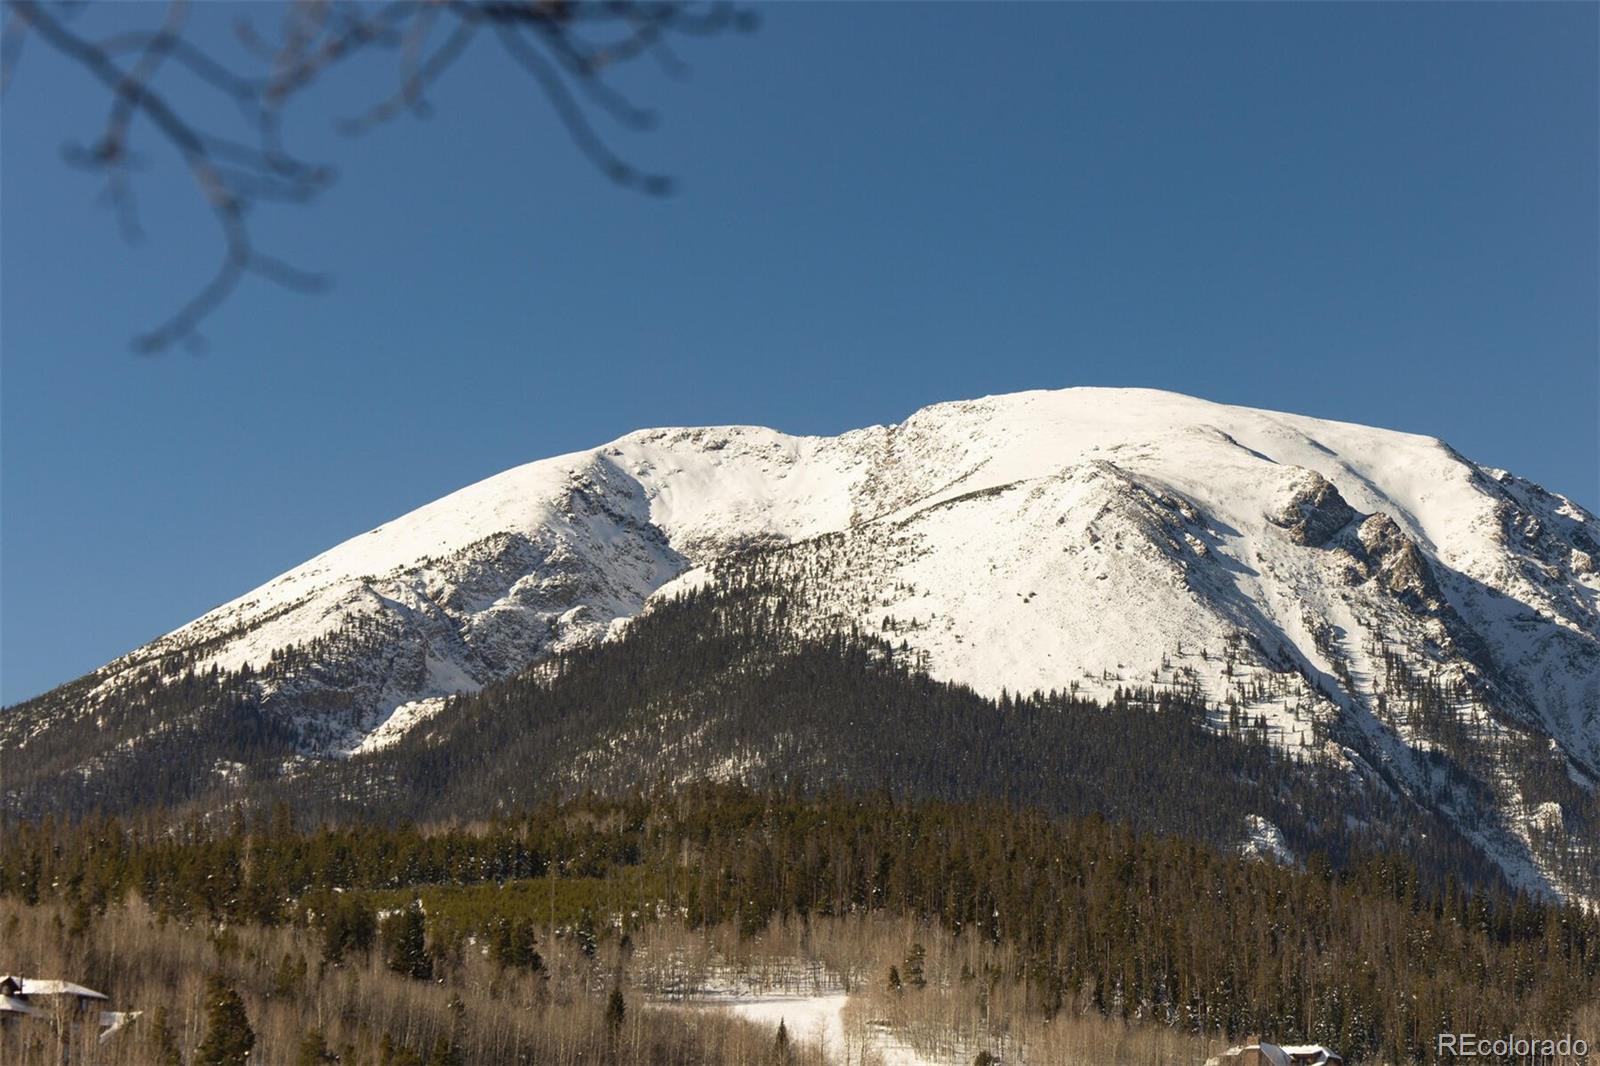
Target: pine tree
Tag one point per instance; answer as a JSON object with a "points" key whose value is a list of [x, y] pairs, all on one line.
{"points": [[290, 975], [587, 938], [80, 918], [348, 925], [914, 961], [405, 948], [229, 1037], [163, 1041], [392, 1053], [616, 1009], [314, 1050]]}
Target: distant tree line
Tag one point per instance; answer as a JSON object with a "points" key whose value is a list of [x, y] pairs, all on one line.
{"points": [[1367, 958]]}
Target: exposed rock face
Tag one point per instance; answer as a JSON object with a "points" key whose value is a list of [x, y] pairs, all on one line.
{"points": [[1313, 511], [1399, 564], [1315, 515]]}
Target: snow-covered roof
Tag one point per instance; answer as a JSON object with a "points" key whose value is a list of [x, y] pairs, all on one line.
{"points": [[1281, 1055], [1274, 1054], [33, 986]]}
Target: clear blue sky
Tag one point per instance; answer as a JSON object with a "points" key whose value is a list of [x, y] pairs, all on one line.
{"points": [[1375, 212]]}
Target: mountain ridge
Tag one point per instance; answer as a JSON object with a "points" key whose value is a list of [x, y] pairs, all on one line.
{"points": [[1368, 593]]}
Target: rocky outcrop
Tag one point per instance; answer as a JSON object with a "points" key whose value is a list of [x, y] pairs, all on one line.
{"points": [[1398, 564], [1312, 510]]}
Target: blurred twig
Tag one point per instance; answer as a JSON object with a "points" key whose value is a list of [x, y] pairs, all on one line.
{"points": [[566, 48]]}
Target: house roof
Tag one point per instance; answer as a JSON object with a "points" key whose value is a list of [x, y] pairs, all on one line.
{"points": [[1273, 1053], [33, 986], [1279, 1055]]}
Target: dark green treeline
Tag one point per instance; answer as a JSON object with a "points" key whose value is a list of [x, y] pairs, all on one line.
{"points": [[1367, 959]]}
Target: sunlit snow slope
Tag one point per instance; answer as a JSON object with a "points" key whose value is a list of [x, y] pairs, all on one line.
{"points": [[1314, 576]]}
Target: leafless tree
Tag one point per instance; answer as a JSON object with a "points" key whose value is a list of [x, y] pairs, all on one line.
{"points": [[566, 48]]}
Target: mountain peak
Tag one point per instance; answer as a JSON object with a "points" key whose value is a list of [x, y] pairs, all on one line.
{"points": [[1285, 568]]}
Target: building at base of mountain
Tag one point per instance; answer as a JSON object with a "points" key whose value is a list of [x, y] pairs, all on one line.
{"points": [[61, 1004], [1262, 1053]]}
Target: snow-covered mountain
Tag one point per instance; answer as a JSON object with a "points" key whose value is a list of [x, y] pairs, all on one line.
{"points": [[1372, 596]]}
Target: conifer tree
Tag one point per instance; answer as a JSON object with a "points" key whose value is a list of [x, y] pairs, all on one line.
{"points": [[229, 1038], [616, 1009], [288, 978], [349, 924], [405, 948], [586, 934], [314, 1050], [163, 1041], [914, 961]]}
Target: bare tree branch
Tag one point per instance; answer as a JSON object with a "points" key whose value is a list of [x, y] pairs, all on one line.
{"points": [[234, 173], [415, 81], [134, 96], [573, 118]]}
